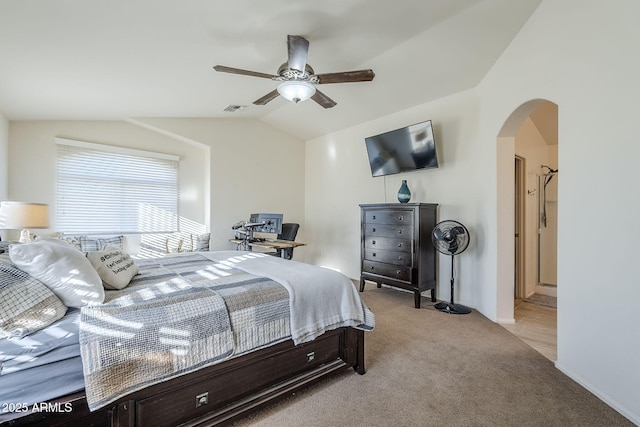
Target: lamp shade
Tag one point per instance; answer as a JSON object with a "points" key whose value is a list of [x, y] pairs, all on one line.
{"points": [[19, 215], [296, 91]]}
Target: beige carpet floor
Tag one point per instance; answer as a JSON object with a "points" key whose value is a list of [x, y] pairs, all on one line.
{"points": [[427, 368]]}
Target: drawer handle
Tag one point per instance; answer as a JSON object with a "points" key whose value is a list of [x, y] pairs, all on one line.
{"points": [[400, 218], [373, 217], [373, 230], [399, 231], [399, 245], [398, 272], [373, 242], [400, 258], [371, 268], [202, 399], [373, 254]]}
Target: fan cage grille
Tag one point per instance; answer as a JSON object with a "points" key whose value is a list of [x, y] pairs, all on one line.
{"points": [[450, 237]]}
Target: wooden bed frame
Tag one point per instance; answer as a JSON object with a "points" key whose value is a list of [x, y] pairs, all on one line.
{"points": [[214, 395]]}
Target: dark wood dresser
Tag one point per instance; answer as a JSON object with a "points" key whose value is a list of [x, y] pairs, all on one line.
{"points": [[396, 246]]}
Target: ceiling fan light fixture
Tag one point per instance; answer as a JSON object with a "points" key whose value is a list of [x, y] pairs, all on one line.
{"points": [[296, 91]]}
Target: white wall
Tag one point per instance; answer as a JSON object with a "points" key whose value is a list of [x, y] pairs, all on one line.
{"points": [[338, 179], [254, 168], [581, 56], [4, 158]]}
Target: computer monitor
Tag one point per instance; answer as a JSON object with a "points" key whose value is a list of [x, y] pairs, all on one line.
{"points": [[272, 222]]}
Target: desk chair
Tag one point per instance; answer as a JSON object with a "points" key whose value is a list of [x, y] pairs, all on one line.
{"points": [[289, 232]]}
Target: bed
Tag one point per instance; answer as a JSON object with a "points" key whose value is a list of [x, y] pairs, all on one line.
{"points": [[193, 339]]}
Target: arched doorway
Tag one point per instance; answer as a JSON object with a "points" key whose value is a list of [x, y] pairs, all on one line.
{"points": [[527, 206]]}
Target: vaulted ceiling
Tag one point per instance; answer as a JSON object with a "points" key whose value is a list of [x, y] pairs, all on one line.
{"points": [[120, 59]]}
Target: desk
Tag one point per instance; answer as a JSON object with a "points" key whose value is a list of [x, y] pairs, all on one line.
{"points": [[270, 244]]}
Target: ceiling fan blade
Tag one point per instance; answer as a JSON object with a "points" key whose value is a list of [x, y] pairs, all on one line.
{"points": [[268, 97], [232, 70], [346, 77], [298, 50], [323, 99]]}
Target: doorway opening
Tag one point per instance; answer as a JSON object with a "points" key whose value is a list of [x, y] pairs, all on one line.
{"points": [[519, 233], [529, 138]]}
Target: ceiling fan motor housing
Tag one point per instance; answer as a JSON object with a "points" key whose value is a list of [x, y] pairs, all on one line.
{"points": [[291, 74]]}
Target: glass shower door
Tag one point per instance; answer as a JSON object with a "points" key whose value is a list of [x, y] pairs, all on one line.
{"points": [[548, 229]]}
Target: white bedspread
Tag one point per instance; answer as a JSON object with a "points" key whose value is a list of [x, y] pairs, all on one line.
{"points": [[320, 299]]}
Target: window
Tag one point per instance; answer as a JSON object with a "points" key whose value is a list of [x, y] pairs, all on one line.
{"points": [[104, 190]]}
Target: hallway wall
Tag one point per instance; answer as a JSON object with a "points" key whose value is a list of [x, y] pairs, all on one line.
{"points": [[4, 158], [580, 55]]}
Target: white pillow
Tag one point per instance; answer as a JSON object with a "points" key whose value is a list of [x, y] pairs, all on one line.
{"points": [[62, 268], [116, 268]]}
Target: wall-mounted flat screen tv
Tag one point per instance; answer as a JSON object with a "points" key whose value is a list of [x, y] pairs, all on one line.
{"points": [[402, 150]]}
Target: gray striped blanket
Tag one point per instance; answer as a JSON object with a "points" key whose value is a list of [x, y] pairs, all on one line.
{"points": [[181, 313], [320, 299]]}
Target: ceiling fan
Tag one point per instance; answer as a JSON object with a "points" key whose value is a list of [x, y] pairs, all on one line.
{"points": [[297, 78]]}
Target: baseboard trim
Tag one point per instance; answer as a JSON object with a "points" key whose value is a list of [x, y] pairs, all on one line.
{"points": [[634, 418]]}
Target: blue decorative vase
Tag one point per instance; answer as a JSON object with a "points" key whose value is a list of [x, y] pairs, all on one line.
{"points": [[404, 195]]}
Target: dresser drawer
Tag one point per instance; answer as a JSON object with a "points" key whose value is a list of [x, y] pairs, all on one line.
{"points": [[386, 230], [389, 216], [179, 405], [387, 270], [388, 243], [389, 257]]}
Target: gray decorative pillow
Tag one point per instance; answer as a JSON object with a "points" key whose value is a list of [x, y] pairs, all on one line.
{"points": [[73, 241], [114, 241], [26, 304], [186, 242], [89, 244], [201, 241], [92, 244], [178, 242]]}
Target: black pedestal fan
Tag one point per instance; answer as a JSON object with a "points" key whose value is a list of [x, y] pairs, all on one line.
{"points": [[451, 238]]}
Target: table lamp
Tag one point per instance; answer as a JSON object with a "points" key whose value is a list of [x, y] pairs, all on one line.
{"points": [[21, 215]]}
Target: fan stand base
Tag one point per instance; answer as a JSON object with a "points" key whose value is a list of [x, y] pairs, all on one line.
{"points": [[452, 308]]}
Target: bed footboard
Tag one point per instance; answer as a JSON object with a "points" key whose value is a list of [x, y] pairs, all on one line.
{"points": [[216, 394]]}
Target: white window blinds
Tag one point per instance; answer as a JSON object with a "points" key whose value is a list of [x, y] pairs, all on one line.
{"points": [[104, 190]]}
